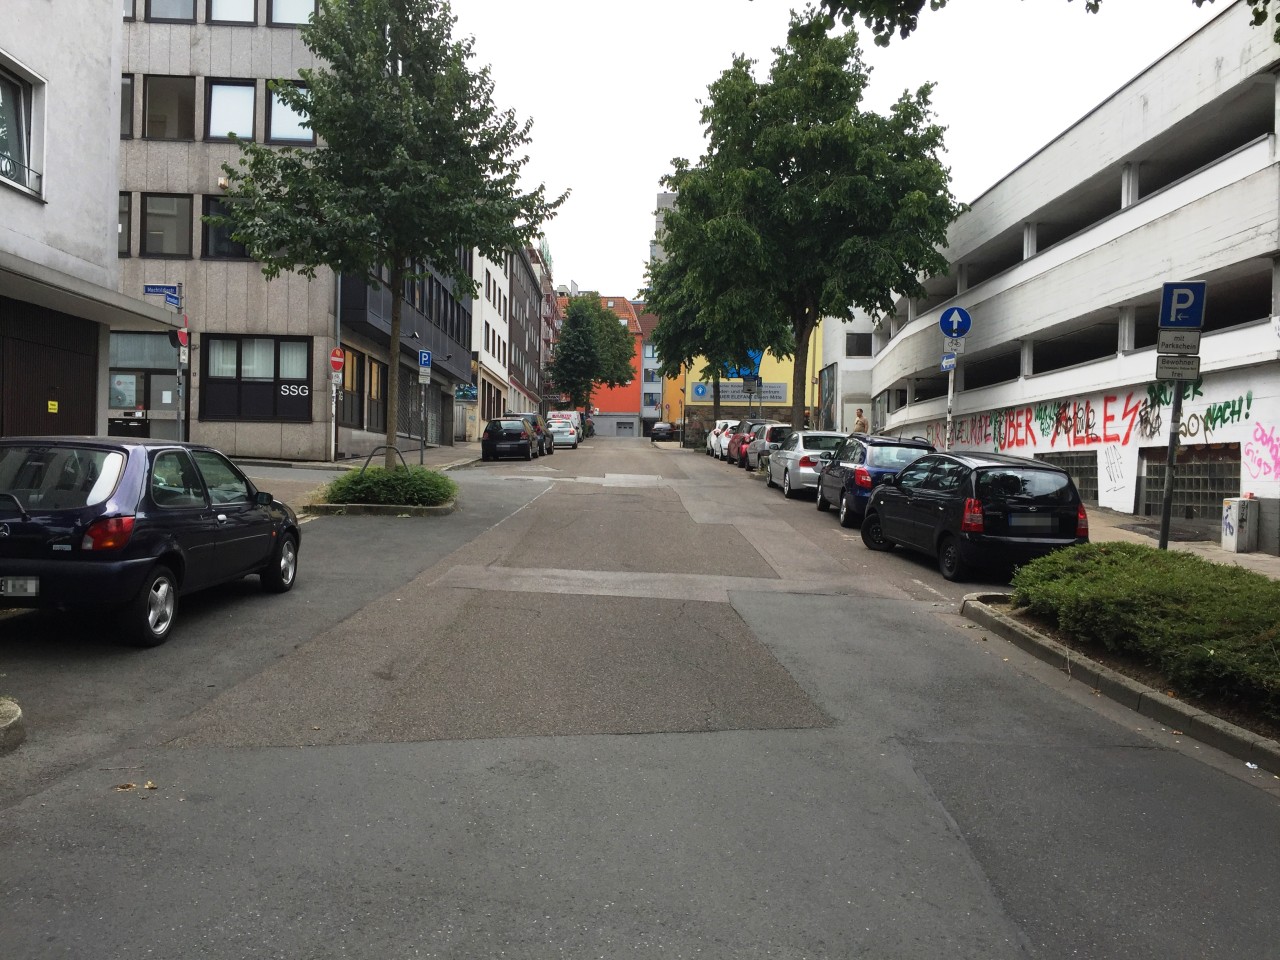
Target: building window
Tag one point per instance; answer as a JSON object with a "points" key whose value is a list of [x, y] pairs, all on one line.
{"points": [[125, 224], [857, 345], [129, 10], [285, 125], [228, 109], [377, 396], [16, 96], [652, 376], [217, 243], [650, 350], [126, 107], [256, 378], [166, 225], [181, 11], [290, 13], [652, 399], [169, 108], [232, 11], [351, 397]]}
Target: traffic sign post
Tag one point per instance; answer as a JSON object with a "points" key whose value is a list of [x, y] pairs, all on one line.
{"points": [[955, 323], [424, 378], [1177, 359], [337, 358]]}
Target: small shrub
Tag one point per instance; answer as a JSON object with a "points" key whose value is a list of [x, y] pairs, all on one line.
{"points": [[415, 487], [1209, 628]]}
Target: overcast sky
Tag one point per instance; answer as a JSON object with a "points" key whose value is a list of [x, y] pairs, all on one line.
{"points": [[612, 88]]}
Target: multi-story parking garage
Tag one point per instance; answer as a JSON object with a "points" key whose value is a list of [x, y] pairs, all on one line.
{"points": [[1175, 177]]}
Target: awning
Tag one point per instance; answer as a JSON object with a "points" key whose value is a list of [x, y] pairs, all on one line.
{"points": [[35, 283]]}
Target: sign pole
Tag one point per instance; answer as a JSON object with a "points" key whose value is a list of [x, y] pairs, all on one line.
{"points": [[1166, 504], [951, 395], [422, 443]]}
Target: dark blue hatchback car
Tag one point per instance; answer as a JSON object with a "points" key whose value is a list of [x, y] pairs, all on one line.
{"points": [[858, 465], [129, 526]]}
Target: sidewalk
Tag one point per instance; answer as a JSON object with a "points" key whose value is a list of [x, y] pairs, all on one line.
{"points": [[433, 457]]}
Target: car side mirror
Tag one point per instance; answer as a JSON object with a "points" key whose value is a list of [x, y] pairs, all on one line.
{"points": [[263, 499], [774, 446]]}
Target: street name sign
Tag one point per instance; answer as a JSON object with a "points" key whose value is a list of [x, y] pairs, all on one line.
{"points": [[173, 300], [1175, 367], [159, 289], [1182, 304], [955, 322], [1172, 340]]}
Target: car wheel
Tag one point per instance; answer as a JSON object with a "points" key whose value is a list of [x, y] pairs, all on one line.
{"points": [[551, 449], [278, 576], [768, 478], [786, 485], [872, 535], [148, 618], [822, 503], [574, 447], [847, 517], [528, 453], [950, 563]]}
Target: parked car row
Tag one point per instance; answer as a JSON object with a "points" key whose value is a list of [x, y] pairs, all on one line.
{"points": [[967, 509], [530, 435]]}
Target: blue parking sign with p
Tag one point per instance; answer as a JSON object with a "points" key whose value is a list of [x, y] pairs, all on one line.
{"points": [[1182, 305], [424, 358]]}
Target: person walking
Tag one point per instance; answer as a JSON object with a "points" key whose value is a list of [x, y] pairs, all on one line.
{"points": [[860, 424]]}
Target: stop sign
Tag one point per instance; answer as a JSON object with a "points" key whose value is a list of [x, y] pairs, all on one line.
{"points": [[336, 359]]}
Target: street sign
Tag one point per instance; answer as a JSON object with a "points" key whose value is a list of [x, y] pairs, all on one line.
{"points": [[1182, 305], [955, 322], [953, 345], [173, 300], [183, 354], [159, 289], [336, 359], [424, 375], [948, 362], [1185, 342], [424, 359], [1169, 367]]}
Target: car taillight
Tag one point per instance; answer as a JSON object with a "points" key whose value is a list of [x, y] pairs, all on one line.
{"points": [[1082, 524], [110, 533], [862, 477], [808, 461], [524, 434], [971, 519], [485, 435]]}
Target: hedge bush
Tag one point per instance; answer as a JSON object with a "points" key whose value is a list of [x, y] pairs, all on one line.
{"points": [[1210, 629], [415, 487]]}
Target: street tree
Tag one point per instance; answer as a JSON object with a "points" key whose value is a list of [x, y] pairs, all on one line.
{"points": [[594, 347], [415, 163], [887, 17], [820, 206]]}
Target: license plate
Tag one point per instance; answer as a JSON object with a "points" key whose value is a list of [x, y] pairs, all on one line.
{"points": [[1026, 522], [19, 586]]}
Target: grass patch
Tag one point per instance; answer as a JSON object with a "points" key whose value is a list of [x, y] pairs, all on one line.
{"points": [[1210, 629], [414, 487]]}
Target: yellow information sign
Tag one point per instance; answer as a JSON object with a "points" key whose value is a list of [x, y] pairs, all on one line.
{"points": [[53, 406]]}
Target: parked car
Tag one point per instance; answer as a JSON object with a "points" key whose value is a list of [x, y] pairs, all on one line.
{"points": [[541, 434], [128, 526], [662, 431], [573, 416], [858, 465], [971, 509], [713, 435], [720, 445], [759, 445], [794, 465], [508, 437], [741, 436], [563, 434]]}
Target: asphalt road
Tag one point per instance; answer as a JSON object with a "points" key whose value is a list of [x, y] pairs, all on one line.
{"points": [[625, 701]]}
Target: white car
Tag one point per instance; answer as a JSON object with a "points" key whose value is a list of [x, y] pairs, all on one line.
{"points": [[718, 436], [563, 434]]}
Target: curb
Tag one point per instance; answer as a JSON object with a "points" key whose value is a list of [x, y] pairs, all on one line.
{"points": [[1214, 731], [380, 509], [12, 728]]}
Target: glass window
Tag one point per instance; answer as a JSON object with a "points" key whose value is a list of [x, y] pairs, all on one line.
{"points": [[126, 106], [284, 123], [946, 476], [914, 475], [229, 110], [232, 11], [894, 458], [291, 12], [166, 226], [184, 10], [293, 360], [222, 358], [169, 110], [857, 345], [125, 224], [175, 481], [225, 483], [15, 128], [128, 9], [256, 378], [123, 391], [59, 477], [218, 244], [650, 351], [257, 359]]}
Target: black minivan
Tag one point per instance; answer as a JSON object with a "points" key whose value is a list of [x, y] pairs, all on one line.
{"points": [[976, 509]]}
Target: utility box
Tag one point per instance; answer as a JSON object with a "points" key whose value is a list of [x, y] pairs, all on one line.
{"points": [[1240, 521]]}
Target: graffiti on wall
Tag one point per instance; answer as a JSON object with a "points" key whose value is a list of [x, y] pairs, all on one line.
{"points": [[1261, 454]]}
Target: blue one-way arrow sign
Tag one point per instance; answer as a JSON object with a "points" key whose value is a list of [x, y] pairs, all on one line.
{"points": [[955, 322], [1182, 305]]}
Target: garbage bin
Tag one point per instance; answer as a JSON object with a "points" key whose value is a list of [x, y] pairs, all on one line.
{"points": [[1240, 522]]}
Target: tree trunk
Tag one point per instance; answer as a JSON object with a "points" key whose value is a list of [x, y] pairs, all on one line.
{"points": [[803, 327], [396, 286], [715, 397]]}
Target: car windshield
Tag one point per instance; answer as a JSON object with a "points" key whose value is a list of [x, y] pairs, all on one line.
{"points": [[892, 458], [57, 477], [1024, 483]]}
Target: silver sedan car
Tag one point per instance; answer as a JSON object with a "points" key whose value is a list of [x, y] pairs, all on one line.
{"points": [[563, 434], [795, 464]]}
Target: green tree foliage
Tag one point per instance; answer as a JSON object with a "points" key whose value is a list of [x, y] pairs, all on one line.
{"points": [[594, 347], [415, 162], [813, 206], [887, 17]]}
